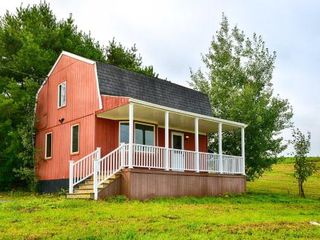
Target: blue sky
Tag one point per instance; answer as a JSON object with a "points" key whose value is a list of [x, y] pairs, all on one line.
{"points": [[170, 35]]}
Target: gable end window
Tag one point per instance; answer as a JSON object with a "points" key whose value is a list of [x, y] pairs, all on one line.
{"points": [[62, 94], [48, 146], [75, 139]]}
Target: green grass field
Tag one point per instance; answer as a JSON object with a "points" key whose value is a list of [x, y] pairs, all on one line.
{"points": [[269, 210]]}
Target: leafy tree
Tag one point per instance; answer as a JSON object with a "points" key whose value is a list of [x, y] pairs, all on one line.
{"points": [[127, 58], [31, 39], [238, 83], [302, 167]]}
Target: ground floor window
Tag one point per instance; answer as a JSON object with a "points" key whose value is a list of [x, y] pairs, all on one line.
{"points": [[124, 132], [143, 133], [75, 139], [48, 145]]}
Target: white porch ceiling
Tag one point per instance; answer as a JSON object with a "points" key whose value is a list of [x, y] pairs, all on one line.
{"points": [[177, 120]]}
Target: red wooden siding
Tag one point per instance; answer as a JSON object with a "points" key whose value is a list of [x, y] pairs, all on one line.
{"points": [[58, 166], [107, 135], [188, 142], [111, 102], [81, 105]]}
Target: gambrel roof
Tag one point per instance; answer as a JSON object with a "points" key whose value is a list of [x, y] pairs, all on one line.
{"points": [[116, 81]]}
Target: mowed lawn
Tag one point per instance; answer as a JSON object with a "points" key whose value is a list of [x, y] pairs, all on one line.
{"points": [[270, 210]]}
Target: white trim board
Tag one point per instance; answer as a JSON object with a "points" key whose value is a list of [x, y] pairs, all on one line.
{"points": [[98, 88], [72, 55], [71, 138], [46, 144]]}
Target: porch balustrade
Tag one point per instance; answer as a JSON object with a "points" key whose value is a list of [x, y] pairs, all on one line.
{"points": [[154, 157], [151, 157], [182, 160]]}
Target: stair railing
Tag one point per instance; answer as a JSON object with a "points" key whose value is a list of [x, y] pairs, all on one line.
{"points": [[82, 169], [107, 166]]}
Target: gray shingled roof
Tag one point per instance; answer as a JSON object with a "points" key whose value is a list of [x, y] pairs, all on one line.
{"points": [[120, 82]]}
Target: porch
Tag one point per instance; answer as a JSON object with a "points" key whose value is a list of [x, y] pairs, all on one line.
{"points": [[140, 149], [148, 148]]}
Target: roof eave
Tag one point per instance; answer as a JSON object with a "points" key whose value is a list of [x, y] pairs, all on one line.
{"points": [[182, 112]]}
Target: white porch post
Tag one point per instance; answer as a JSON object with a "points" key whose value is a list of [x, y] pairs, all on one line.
{"points": [[96, 168], [166, 139], [95, 178], [131, 108], [196, 143], [243, 151], [220, 147], [122, 155], [71, 176]]}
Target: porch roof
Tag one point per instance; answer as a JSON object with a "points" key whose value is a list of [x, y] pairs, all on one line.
{"points": [[178, 119]]}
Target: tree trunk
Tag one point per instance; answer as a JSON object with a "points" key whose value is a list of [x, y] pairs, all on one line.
{"points": [[301, 191]]}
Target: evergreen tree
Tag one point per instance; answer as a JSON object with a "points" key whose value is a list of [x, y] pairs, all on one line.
{"points": [[127, 58]]}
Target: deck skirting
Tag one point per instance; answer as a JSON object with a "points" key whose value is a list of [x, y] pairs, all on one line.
{"points": [[145, 184]]}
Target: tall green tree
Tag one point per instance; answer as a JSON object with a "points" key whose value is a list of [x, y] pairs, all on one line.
{"points": [[303, 168], [127, 58], [238, 82], [31, 39]]}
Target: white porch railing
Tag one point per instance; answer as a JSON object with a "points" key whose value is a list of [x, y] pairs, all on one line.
{"points": [[107, 166], [182, 160], [82, 169], [148, 156], [232, 164], [151, 157]]}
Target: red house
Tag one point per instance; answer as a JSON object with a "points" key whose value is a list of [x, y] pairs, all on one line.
{"points": [[103, 130]]}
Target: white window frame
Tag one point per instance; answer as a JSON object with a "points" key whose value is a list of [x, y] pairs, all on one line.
{"points": [[134, 130], [177, 134], [146, 124], [71, 150], [119, 131], [65, 102], [46, 144]]}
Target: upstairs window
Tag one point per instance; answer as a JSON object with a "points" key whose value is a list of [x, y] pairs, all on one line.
{"points": [[75, 139], [48, 145], [62, 94]]}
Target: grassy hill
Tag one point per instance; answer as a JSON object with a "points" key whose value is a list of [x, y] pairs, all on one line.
{"points": [[281, 181], [270, 210]]}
